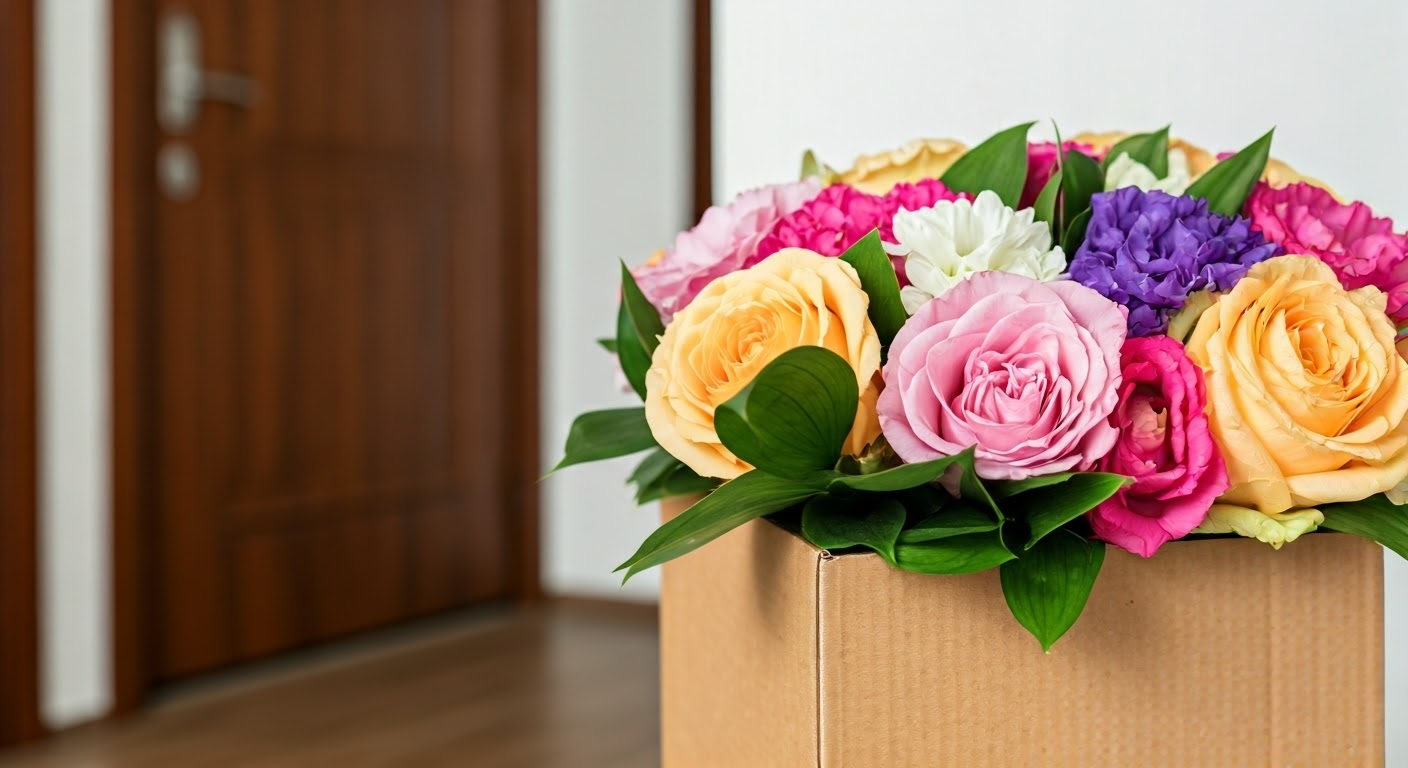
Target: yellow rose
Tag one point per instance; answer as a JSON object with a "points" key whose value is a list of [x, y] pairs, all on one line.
{"points": [[1307, 398], [1278, 175], [921, 159], [736, 326]]}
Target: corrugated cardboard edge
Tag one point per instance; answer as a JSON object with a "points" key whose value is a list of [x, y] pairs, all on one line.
{"points": [[738, 651]]}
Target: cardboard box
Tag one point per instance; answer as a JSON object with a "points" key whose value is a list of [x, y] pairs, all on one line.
{"points": [[1213, 653]]}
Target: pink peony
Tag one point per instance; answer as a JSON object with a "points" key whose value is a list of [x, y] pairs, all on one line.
{"points": [[1164, 444], [724, 241], [1026, 371], [1361, 248], [1041, 164], [834, 220]]}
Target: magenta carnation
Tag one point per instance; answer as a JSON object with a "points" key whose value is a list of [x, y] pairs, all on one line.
{"points": [[1041, 164], [1360, 247], [835, 219], [725, 240], [1026, 371], [1164, 444]]}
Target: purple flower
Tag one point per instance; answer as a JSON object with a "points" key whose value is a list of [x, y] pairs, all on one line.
{"points": [[1148, 251]]}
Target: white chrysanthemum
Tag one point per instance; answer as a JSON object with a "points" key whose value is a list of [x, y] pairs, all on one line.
{"points": [[945, 244], [1125, 171]]}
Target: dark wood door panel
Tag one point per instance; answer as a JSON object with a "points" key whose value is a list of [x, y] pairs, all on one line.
{"points": [[334, 312]]}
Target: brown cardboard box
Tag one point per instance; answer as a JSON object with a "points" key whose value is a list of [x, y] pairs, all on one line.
{"points": [[1213, 653]]}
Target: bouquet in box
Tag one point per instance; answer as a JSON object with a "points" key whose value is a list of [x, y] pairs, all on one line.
{"points": [[1015, 355]]}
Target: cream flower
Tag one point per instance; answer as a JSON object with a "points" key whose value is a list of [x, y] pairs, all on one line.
{"points": [[1274, 529], [945, 244], [915, 161], [1125, 171]]}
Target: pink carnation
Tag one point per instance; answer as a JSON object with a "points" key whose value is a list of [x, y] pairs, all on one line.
{"points": [[1026, 371], [1164, 444], [835, 219], [1041, 164], [725, 240], [1361, 248]]}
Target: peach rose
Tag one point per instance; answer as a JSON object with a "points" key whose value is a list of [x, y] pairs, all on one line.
{"points": [[1306, 395], [915, 161], [736, 326], [1199, 159]]}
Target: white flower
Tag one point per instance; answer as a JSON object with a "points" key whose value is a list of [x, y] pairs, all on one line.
{"points": [[945, 244], [1125, 171]]}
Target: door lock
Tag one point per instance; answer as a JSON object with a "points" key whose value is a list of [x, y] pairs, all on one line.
{"points": [[182, 84]]}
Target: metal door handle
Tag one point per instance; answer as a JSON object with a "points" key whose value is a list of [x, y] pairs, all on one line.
{"points": [[182, 85]]}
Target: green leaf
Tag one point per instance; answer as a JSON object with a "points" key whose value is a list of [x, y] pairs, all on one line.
{"points": [[1047, 508], [1081, 177], [1148, 149], [1047, 587], [747, 497], [904, 476], [1374, 518], [605, 435], [1075, 234], [607, 343], [1227, 184], [679, 481], [998, 164], [810, 166], [793, 418], [833, 522], [653, 468], [1002, 489], [969, 553], [635, 361], [877, 278], [1045, 205], [955, 519], [644, 317]]}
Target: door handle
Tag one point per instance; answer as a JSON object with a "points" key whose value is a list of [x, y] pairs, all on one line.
{"points": [[181, 83]]}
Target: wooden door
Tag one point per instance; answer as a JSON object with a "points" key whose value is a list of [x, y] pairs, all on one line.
{"points": [[339, 322]]}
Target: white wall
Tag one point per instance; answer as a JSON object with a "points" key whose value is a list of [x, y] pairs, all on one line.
{"points": [[73, 236], [616, 168], [848, 77]]}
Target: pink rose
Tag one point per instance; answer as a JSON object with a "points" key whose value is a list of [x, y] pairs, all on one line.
{"points": [[1361, 248], [724, 241], [1164, 444], [835, 219], [1026, 371], [1041, 164]]}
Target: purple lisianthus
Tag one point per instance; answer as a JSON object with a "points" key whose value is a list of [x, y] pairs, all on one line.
{"points": [[1147, 251]]}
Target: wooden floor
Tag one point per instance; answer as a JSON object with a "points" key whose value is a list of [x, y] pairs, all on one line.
{"points": [[571, 684]]}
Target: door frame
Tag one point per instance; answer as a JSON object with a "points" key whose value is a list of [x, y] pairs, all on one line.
{"points": [[19, 396], [133, 473]]}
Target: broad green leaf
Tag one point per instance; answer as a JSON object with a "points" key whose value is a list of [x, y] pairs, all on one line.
{"points": [[1075, 234], [1081, 177], [653, 468], [746, 497], [955, 519], [1002, 489], [679, 481], [1048, 508], [1045, 205], [605, 435], [1374, 518], [645, 319], [998, 164], [608, 343], [969, 553], [1048, 586], [834, 522], [635, 361], [793, 418], [1148, 149], [904, 476], [1227, 184], [877, 277]]}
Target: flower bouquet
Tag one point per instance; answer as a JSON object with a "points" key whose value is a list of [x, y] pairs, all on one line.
{"points": [[1016, 355]]}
